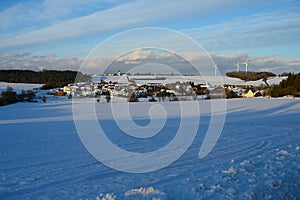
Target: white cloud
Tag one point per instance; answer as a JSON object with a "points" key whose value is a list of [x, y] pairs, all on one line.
{"points": [[133, 14], [31, 15], [140, 56], [13, 56], [295, 62], [26, 61], [277, 28]]}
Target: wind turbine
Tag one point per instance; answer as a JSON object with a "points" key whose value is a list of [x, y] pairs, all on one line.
{"points": [[246, 65], [238, 67], [216, 68]]}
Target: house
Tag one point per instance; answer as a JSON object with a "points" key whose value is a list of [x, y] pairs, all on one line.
{"points": [[119, 73], [249, 94], [59, 93], [258, 94]]}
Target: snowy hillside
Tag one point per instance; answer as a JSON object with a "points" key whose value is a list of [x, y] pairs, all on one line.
{"points": [[256, 157], [18, 87]]}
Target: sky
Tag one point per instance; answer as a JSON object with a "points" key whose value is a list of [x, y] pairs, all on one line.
{"points": [[53, 34]]}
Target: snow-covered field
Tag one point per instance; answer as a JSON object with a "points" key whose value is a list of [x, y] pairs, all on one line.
{"points": [[18, 87], [256, 157]]}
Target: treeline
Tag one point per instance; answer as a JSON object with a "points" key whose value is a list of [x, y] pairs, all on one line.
{"points": [[50, 78], [250, 76], [10, 96], [289, 86]]}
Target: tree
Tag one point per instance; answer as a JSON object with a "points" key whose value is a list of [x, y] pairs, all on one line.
{"points": [[22, 96], [265, 81], [133, 98], [30, 96], [290, 86], [108, 98], [44, 99], [9, 96]]}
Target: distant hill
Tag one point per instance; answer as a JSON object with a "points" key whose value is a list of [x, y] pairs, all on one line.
{"points": [[250, 76], [51, 78]]}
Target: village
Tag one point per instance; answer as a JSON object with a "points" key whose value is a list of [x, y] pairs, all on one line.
{"points": [[155, 88]]}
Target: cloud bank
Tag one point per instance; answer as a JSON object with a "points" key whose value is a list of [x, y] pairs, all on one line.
{"points": [[226, 63]]}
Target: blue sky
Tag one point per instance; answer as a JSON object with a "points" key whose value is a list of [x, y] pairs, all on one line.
{"points": [[46, 34]]}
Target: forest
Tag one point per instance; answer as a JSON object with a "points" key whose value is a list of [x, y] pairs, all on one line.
{"points": [[289, 86], [250, 76], [50, 78]]}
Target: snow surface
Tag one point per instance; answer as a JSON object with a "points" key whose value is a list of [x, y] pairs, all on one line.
{"points": [[18, 87], [256, 157]]}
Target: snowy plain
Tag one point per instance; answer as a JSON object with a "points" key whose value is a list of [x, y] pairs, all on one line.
{"points": [[18, 87], [256, 157]]}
